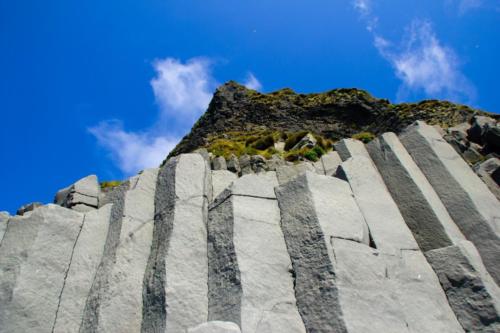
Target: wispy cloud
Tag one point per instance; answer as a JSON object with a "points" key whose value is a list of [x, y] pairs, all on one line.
{"points": [[251, 82], [132, 151], [182, 92], [424, 64], [464, 6], [421, 61]]}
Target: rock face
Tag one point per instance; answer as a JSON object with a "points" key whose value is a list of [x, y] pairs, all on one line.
{"points": [[398, 235]]}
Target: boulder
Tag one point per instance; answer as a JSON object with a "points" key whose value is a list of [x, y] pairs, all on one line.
{"points": [[491, 138], [285, 173], [233, 164], [307, 141], [489, 172], [331, 162], [257, 163], [219, 163], [81, 196], [274, 162], [350, 147], [471, 205], [479, 125], [28, 208], [245, 165]]}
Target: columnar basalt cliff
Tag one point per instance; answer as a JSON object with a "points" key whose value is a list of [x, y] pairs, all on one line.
{"points": [[398, 231]]}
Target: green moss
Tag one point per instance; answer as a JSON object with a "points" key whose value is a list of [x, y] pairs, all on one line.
{"points": [[311, 155], [109, 184], [263, 143], [364, 137], [318, 150]]}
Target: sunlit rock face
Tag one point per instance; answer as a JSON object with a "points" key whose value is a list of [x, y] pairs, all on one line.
{"points": [[395, 235]]}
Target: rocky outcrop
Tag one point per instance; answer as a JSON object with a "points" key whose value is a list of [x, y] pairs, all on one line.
{"points": [[397, 235], [82, 196]]}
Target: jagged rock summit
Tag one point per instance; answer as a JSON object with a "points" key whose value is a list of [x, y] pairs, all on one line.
{"points": [[398, 231]]}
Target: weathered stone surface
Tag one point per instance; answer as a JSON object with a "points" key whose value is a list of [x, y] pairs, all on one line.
{"points": [[216, 327], [261, 278], [417, 201], [221, 179], [286, 173], [314, 276], [85, 192], [489, 171], [334, 203], [224, 279], [90, 319], [350, 147], [274, 162], [261, 185], [219, 163], [4, 220], [233, 164], [492, 137], [471, 205], [186, 266], [331, 162], [258, 163], [87, 254], [245, 165], [121, 303], [471, 292], [387, 226], [33, 271], [28, 208]]}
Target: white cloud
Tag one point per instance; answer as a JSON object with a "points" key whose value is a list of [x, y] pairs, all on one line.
{"points": [[464, 6], [422, 63], [132, 151], [183, 91], [251, 82], [363, 6]]}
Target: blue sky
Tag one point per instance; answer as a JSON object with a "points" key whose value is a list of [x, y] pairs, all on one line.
{"points": [[109, 87]]}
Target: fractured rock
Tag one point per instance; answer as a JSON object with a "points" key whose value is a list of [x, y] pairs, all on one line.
{"points": [[233, 164], [307, 141], [331, 162], [33, 270], [249, 279], [350, 147], [221, 179], [489, 172], [219, 163], [471, 292], [417, 201], [28, 208], [471, 205], [175, 282], [285, 173], [245, 165], [478, 128], [87, 255], [386, 224], [4, 220], [82, 196]]}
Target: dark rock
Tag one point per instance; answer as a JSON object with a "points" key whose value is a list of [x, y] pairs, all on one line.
{"points": [[28, 208], [233, 164], [479, 127]]}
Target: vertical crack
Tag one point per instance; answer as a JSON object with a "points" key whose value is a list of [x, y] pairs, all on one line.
{"points": [[67, 272]]}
